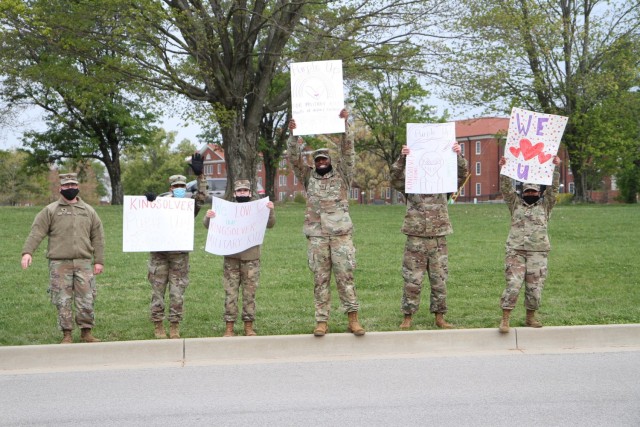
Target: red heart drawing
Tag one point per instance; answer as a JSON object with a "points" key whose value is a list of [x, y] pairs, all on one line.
{"points": [[515, 151], [530, 151], [542, 157]]}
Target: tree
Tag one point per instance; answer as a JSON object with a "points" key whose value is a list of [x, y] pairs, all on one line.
{"points": [[385, 106], [561, 57], [20, 183], [49, 59]]}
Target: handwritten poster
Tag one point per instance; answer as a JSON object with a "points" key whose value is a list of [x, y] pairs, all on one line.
{"points": [[432, 165], [166, 224], [236, 226], [317, 97], [532, 142]]}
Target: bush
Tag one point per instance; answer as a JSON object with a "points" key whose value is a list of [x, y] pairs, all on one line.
{"points": [[564, 198], [299, 198]]}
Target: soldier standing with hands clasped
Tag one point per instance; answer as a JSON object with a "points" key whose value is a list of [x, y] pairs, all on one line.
{"points": [[426, 225], [528, 246], [76, 241], [172, 267], [328, 226]]}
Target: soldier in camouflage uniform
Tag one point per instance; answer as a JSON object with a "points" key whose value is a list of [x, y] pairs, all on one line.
{"points": [[328, 226], [241, 270], [76, 241], [172, 268], [426, 225], [528, 246]]}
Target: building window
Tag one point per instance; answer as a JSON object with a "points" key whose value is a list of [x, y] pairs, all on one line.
{"points": [[572, 188], [282, 180], [478, 148], [260, 167], [462, 149], [478, 168], [219, 168], [282, 164], [295, 180], [478, 189], [282, 196], [462, 191], [387, 193], [208, 169], [260, 180]]}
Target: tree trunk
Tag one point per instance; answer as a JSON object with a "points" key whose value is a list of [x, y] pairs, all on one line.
{"points": [[240, 152]]}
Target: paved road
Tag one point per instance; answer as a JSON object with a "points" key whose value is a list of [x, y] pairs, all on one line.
{"points": [[570, 389]]}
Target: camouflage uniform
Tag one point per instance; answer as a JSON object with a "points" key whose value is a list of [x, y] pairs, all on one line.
{"points": [[328, 226], [76, 241], [242, 270], [527, 246], [426, 224], [172, 268]]}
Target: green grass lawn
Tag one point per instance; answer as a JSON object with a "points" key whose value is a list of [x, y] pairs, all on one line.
{"points": [[594, 275]]}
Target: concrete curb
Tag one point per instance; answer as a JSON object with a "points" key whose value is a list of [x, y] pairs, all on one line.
{"points": [[280, 348]]}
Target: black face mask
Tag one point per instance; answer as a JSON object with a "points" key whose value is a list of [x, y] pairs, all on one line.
{"points": [[530, 200], [324, 171], [69, 193], [243, 199]]}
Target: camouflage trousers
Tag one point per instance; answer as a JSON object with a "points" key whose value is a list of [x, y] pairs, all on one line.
{"points": [[425, 255], [335, 253], [172, 269], [70, 281], [528, 267], [240, 274]]}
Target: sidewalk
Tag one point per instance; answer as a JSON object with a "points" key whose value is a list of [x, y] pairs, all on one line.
{"points": [[281, 348]]}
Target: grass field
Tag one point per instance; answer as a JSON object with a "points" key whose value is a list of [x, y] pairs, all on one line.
{"points": [[594, 275]]}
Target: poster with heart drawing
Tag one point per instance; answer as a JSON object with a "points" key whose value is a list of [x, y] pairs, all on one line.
{"points": [[533, 140]]}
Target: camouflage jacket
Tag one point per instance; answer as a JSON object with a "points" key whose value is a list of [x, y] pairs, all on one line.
{"points": [[74, 230], [254, 251], [200, 195], [327, 212], [427, 214], [529, 223]]}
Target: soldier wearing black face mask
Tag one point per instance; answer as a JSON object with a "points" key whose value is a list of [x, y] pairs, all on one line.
{"points": [[76, 256], [528, 244]]}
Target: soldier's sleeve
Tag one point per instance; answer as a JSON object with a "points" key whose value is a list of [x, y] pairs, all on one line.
{"points": [[97, 239], [397, 173], [347, 155], [508, 190], [463, 170], [39, 230], [205, 221], [201, 194], [551, 193], [300, 169], [272, 218]]}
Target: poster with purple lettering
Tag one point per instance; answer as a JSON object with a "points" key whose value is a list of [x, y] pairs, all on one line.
{"points": [[532, 142], [166, 224], [236, 226], [432, 166], [317, 97]]}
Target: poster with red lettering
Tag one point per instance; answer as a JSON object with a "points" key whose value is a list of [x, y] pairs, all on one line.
{"points": [[533, 140], [164, 225]]}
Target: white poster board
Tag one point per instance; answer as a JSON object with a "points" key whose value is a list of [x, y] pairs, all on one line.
{"points": [[317, 97], [432, 165], [164, 225], [236, 226], [532, 142]]}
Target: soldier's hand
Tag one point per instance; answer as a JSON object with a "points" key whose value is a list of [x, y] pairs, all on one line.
{"points": [[97, 269], [292, 124], [150, 196], [26, 261], [197, 164]]}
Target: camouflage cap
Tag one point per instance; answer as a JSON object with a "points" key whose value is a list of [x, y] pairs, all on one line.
{"points": [[177, 180], [529, 186], [68, 178], [241, 184], [321, 152]]}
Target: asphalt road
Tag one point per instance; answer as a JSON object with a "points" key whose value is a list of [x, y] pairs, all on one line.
{"points": [[568, 389]]}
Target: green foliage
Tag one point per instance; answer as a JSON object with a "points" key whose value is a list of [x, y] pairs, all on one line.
{"points": [[564, 198], [299, 198], [594, 277], [20, 183]]}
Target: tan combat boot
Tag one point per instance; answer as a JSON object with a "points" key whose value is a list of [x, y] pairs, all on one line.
{"points": [[406, 323], [504, 323], [67, 338], [174, 330], [531, 319], [159, 331], [248, 329], [441, 323], [354, 326], [86, 336], [229, 331], [321, 329]]}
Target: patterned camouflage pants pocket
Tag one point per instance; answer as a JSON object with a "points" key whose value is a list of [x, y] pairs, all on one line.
{"points": [[425, 255], [72, 281], [238, 275], [525, 267]]}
